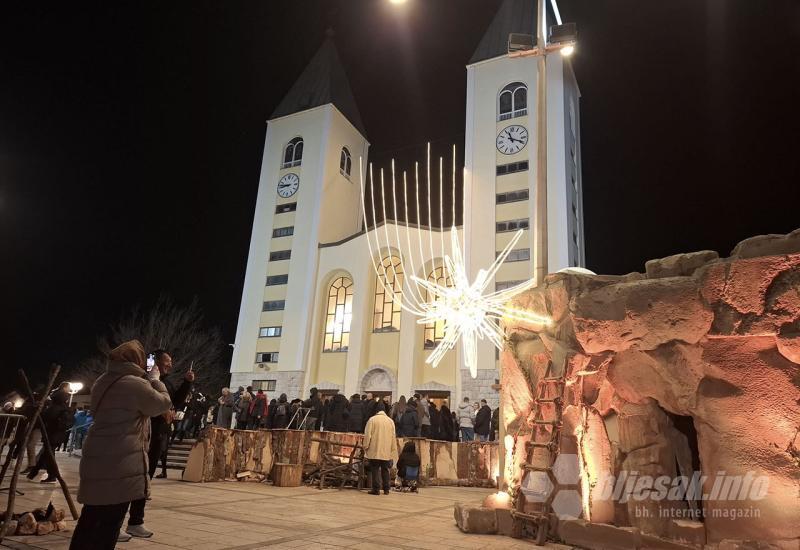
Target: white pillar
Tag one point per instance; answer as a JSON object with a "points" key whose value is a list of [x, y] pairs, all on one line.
{"points": [[405, 359]]}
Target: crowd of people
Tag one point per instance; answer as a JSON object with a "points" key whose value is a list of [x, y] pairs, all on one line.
{"points": [[137, 409], [417, 416]]}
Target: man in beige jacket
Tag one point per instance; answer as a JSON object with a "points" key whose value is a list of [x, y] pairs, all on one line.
{"points": [[113, 469], [380, 447]]}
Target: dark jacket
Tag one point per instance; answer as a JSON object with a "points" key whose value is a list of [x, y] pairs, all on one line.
{"points": [[483, 420], [436, 421], [57, 416], [177, 394], [315, 404], [408, 425], [336, 415], [445, 424], [242, 409], [282, 413], [356, 420], [408, 457]]}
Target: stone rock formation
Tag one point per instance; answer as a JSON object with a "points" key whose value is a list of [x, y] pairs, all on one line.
{"points": [[693, 366]]}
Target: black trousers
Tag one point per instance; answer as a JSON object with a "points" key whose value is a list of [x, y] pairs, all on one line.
{"points": [[379, 470], [43, 460], [98, 527], [157, 451]]}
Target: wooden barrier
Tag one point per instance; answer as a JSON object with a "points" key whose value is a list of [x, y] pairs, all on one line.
{"points": [[221, 454]]}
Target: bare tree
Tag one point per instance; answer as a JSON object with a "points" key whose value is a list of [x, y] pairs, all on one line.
{"points": [[179, 330]]}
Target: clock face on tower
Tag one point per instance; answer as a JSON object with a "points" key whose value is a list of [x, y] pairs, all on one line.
{"points": [[512, 139], [288, 185]]}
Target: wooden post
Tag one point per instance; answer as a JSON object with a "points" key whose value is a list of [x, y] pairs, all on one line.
{"points": [[48, 449], [12, 491], [13, 449]]}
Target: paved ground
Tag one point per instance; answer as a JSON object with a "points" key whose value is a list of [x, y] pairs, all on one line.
{"points": [[246, 515]]}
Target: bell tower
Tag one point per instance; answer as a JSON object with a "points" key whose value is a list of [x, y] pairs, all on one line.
{"points": [[500, 163], [308, 194]]}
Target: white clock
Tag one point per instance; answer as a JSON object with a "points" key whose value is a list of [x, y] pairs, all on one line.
{"points": [[288, 185], [512, 139]]}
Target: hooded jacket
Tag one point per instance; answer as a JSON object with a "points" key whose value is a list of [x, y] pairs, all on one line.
{"points": [[408, 458], [114, 466], [465, 415]]}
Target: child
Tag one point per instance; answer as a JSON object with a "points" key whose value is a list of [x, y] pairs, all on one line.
{"points": [[407, 464]]}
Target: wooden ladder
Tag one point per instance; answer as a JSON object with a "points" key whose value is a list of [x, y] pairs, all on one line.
{"points": [[540, 454]]}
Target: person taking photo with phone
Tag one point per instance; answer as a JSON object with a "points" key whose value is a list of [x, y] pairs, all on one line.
{"points": [[113, 468], [159, 440]]}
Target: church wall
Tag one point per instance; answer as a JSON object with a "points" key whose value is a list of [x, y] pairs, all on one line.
{"points": [[384, 349], [331, 367]]}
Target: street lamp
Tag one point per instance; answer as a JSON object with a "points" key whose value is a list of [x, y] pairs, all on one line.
{"points": [[74, 387]]}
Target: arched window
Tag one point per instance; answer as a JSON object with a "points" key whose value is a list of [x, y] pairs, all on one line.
{"points": [[339, 314], [345, 163], [513, 101], [434, 332], [293, 154], [387, 310]]}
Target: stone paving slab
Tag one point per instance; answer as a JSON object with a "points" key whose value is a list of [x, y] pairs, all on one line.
{"points": [[249, 516]]}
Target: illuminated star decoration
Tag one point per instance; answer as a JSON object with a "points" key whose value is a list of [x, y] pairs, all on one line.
{"points": [[465, 310]]}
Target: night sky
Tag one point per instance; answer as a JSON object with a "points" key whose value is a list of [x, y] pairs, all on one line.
{"points": [[131, 137]]}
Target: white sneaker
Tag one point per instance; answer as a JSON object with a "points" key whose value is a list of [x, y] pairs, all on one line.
{"points": [[139, 531], [123, 537]]}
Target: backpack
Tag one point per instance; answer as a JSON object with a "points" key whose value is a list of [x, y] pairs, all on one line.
{"points": [[281, 410]]}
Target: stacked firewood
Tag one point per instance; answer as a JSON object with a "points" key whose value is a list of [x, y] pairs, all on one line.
{"points": [[41, 521]]}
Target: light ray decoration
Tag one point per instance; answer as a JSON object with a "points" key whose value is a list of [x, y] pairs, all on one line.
{"points": [[466, 310]]}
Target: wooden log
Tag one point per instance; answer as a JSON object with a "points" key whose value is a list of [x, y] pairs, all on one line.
{"points": [[287, 475]]}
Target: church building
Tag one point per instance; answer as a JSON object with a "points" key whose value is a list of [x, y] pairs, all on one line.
{"points": [[314, 312]]}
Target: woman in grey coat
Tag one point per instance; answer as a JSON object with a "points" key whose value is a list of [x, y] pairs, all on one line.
{"points": [[113, 468]]}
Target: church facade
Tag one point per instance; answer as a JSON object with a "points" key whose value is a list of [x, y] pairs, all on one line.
{"points": [[314, 312]]}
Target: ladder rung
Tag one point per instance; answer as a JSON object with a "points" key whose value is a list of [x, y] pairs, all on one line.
{"points": [[548, 422], [553, 379], [539, 518], [536, 468], [556, 400], [550, 445]]}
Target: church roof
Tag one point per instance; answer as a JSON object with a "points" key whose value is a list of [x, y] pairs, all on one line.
{"points": [[323, 81], [514, 16]]}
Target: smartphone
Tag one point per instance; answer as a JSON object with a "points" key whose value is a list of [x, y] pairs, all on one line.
{"points": [[151, 362]]}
